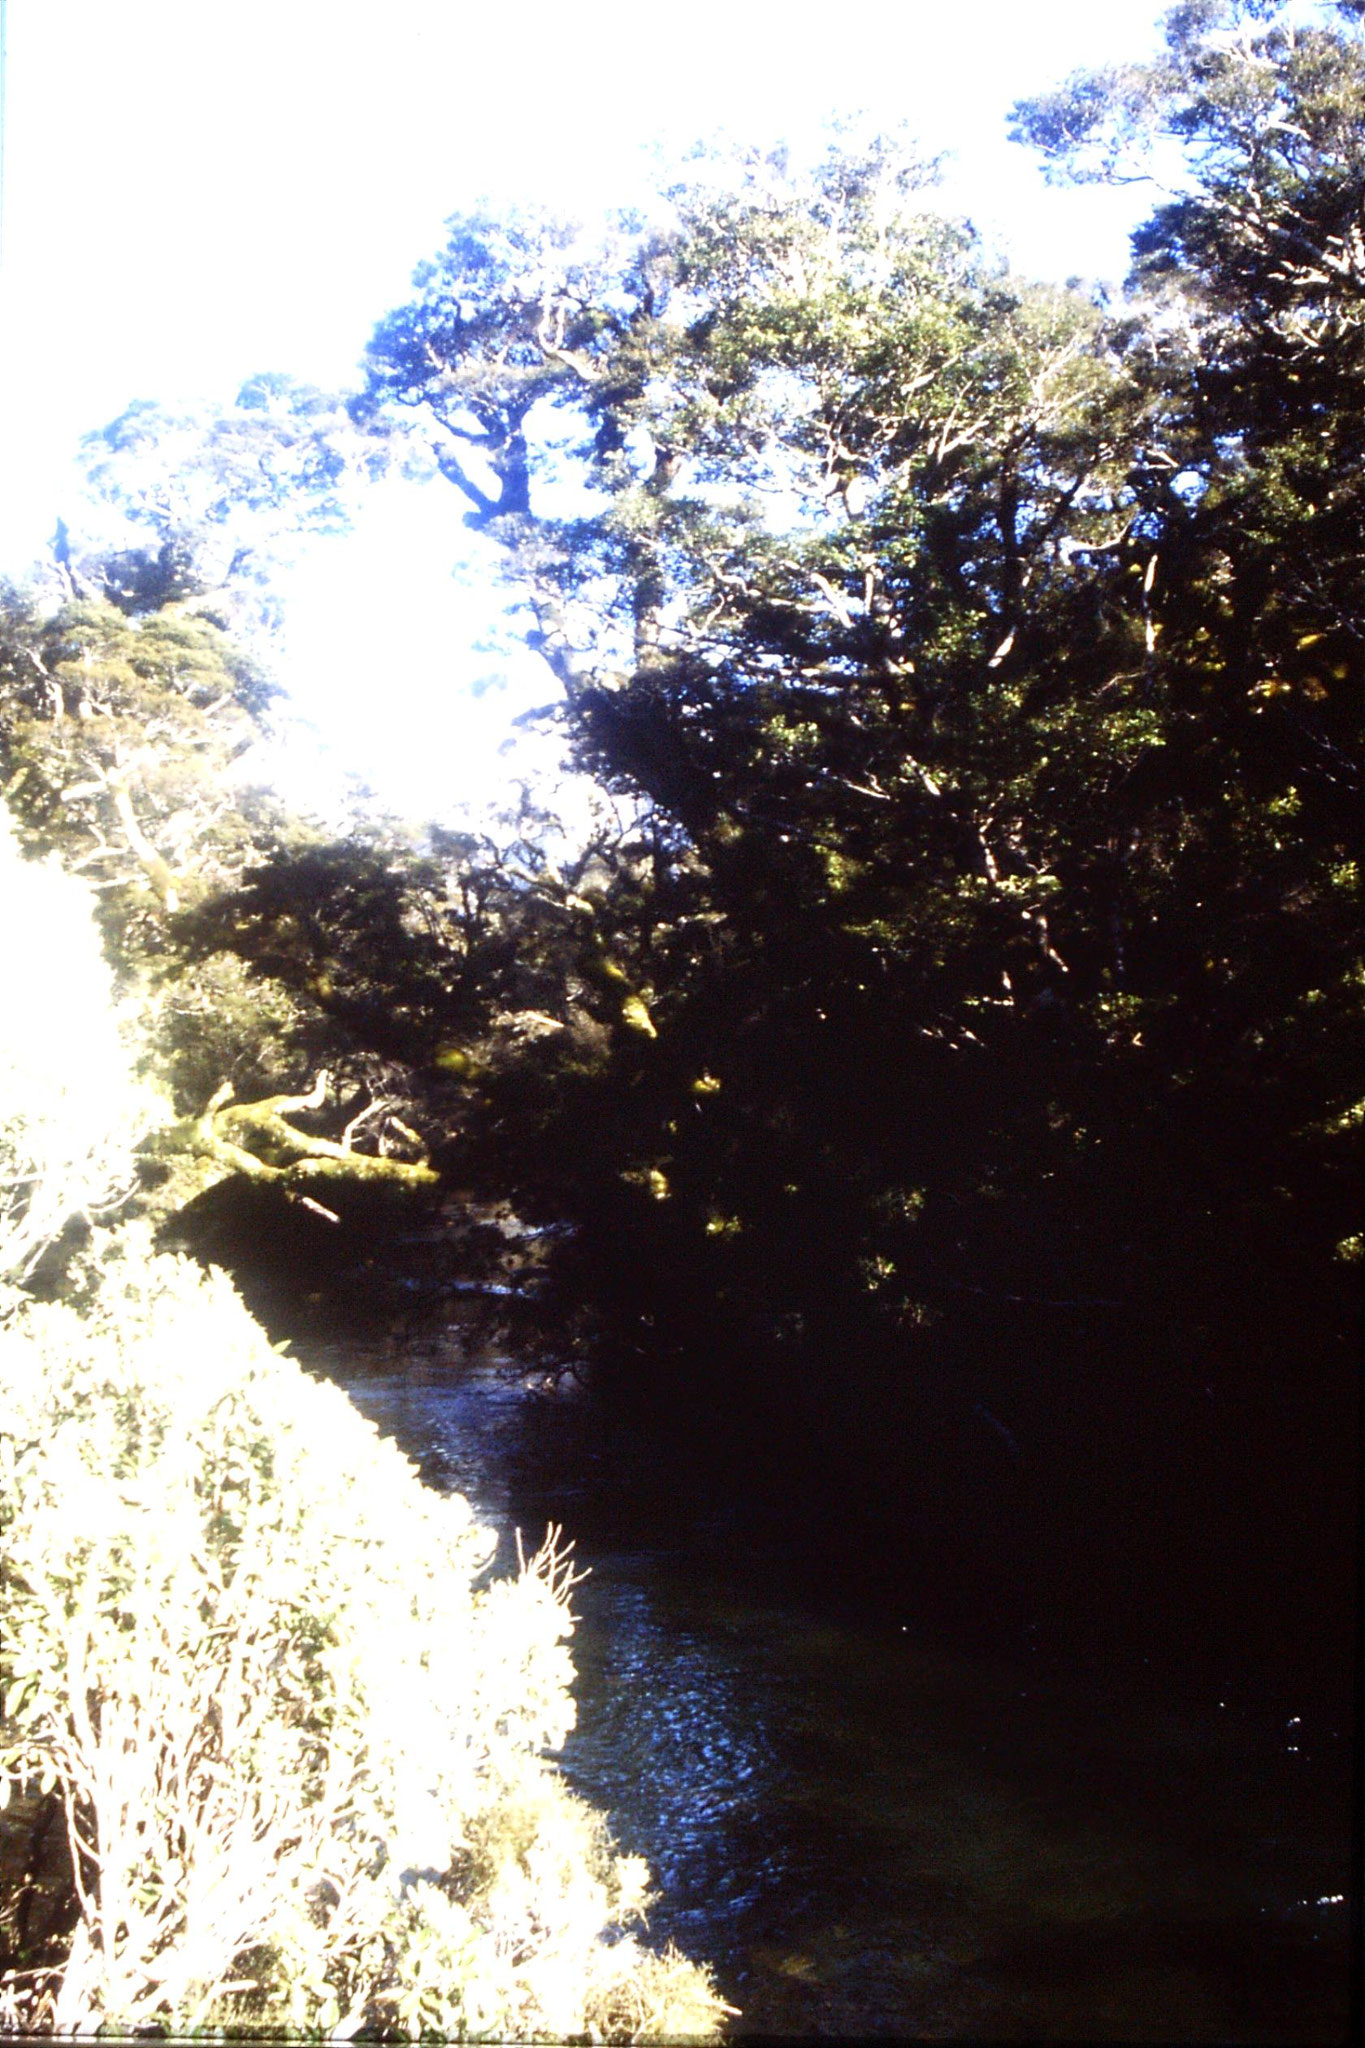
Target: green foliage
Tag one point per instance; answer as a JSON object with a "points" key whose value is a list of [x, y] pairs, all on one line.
{"points": [[961, 1000], [984, 668], [297, 1736], [122, 733], [119, 737]]}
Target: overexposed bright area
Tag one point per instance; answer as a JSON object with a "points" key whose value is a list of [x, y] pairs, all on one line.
{"points": [[198, 190], [395, 657]]}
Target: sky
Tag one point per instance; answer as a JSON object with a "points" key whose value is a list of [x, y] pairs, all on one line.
{"points": [[198, 190]]}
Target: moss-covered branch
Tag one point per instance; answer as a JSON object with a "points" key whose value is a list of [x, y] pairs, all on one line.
{"points": [[255, 1139]]}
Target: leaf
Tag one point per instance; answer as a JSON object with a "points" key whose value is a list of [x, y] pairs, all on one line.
{"points": [[16, 1692], [635, 1014]]}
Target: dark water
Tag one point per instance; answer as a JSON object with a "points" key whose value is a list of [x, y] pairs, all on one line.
{"points": [[870, 1836]]}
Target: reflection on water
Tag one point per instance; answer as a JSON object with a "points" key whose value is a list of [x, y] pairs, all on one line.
{"points": [[867, 1836]]}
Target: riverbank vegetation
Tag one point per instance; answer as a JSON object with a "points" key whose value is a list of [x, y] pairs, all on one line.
{"points": [[272, 1743], [935, 1080]]}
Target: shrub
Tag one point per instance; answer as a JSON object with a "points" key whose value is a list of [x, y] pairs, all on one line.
{"points": [[296, 1733]]}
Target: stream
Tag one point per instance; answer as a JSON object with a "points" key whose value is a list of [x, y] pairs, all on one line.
{"points": [[869, 1835]]}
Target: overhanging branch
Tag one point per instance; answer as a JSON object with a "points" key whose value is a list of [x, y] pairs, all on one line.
{"points": [[256, 1140]]}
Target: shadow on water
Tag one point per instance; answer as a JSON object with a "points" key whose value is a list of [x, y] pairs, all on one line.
{"points": [[868, 1835]]}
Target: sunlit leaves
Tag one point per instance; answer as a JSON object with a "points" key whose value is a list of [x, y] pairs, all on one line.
{"points": [[262, 1671]]}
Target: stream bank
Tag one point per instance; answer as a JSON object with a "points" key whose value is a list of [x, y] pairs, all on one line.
{"points": [[868, 1832]]}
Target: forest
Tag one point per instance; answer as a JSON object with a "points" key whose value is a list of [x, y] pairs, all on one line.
{"points": [[925, 1106]]}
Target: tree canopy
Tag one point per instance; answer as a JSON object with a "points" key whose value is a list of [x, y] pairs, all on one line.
{"points": [[940, 1067], [985, 663]]}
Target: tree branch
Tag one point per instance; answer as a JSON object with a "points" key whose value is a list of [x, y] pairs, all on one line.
{"points": [[255, 1140]]}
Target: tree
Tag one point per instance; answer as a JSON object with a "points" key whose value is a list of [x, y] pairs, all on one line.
{"points": [[224, 492], [804, 704], [924, 613], [122, 733], [1243, 829]]}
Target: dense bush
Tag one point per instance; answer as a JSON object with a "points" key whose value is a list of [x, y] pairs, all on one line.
{"points": [[294, 1732], [297, 1738]]}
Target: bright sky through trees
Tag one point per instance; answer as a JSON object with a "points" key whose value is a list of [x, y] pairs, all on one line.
{"points": [[196, 192]]}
